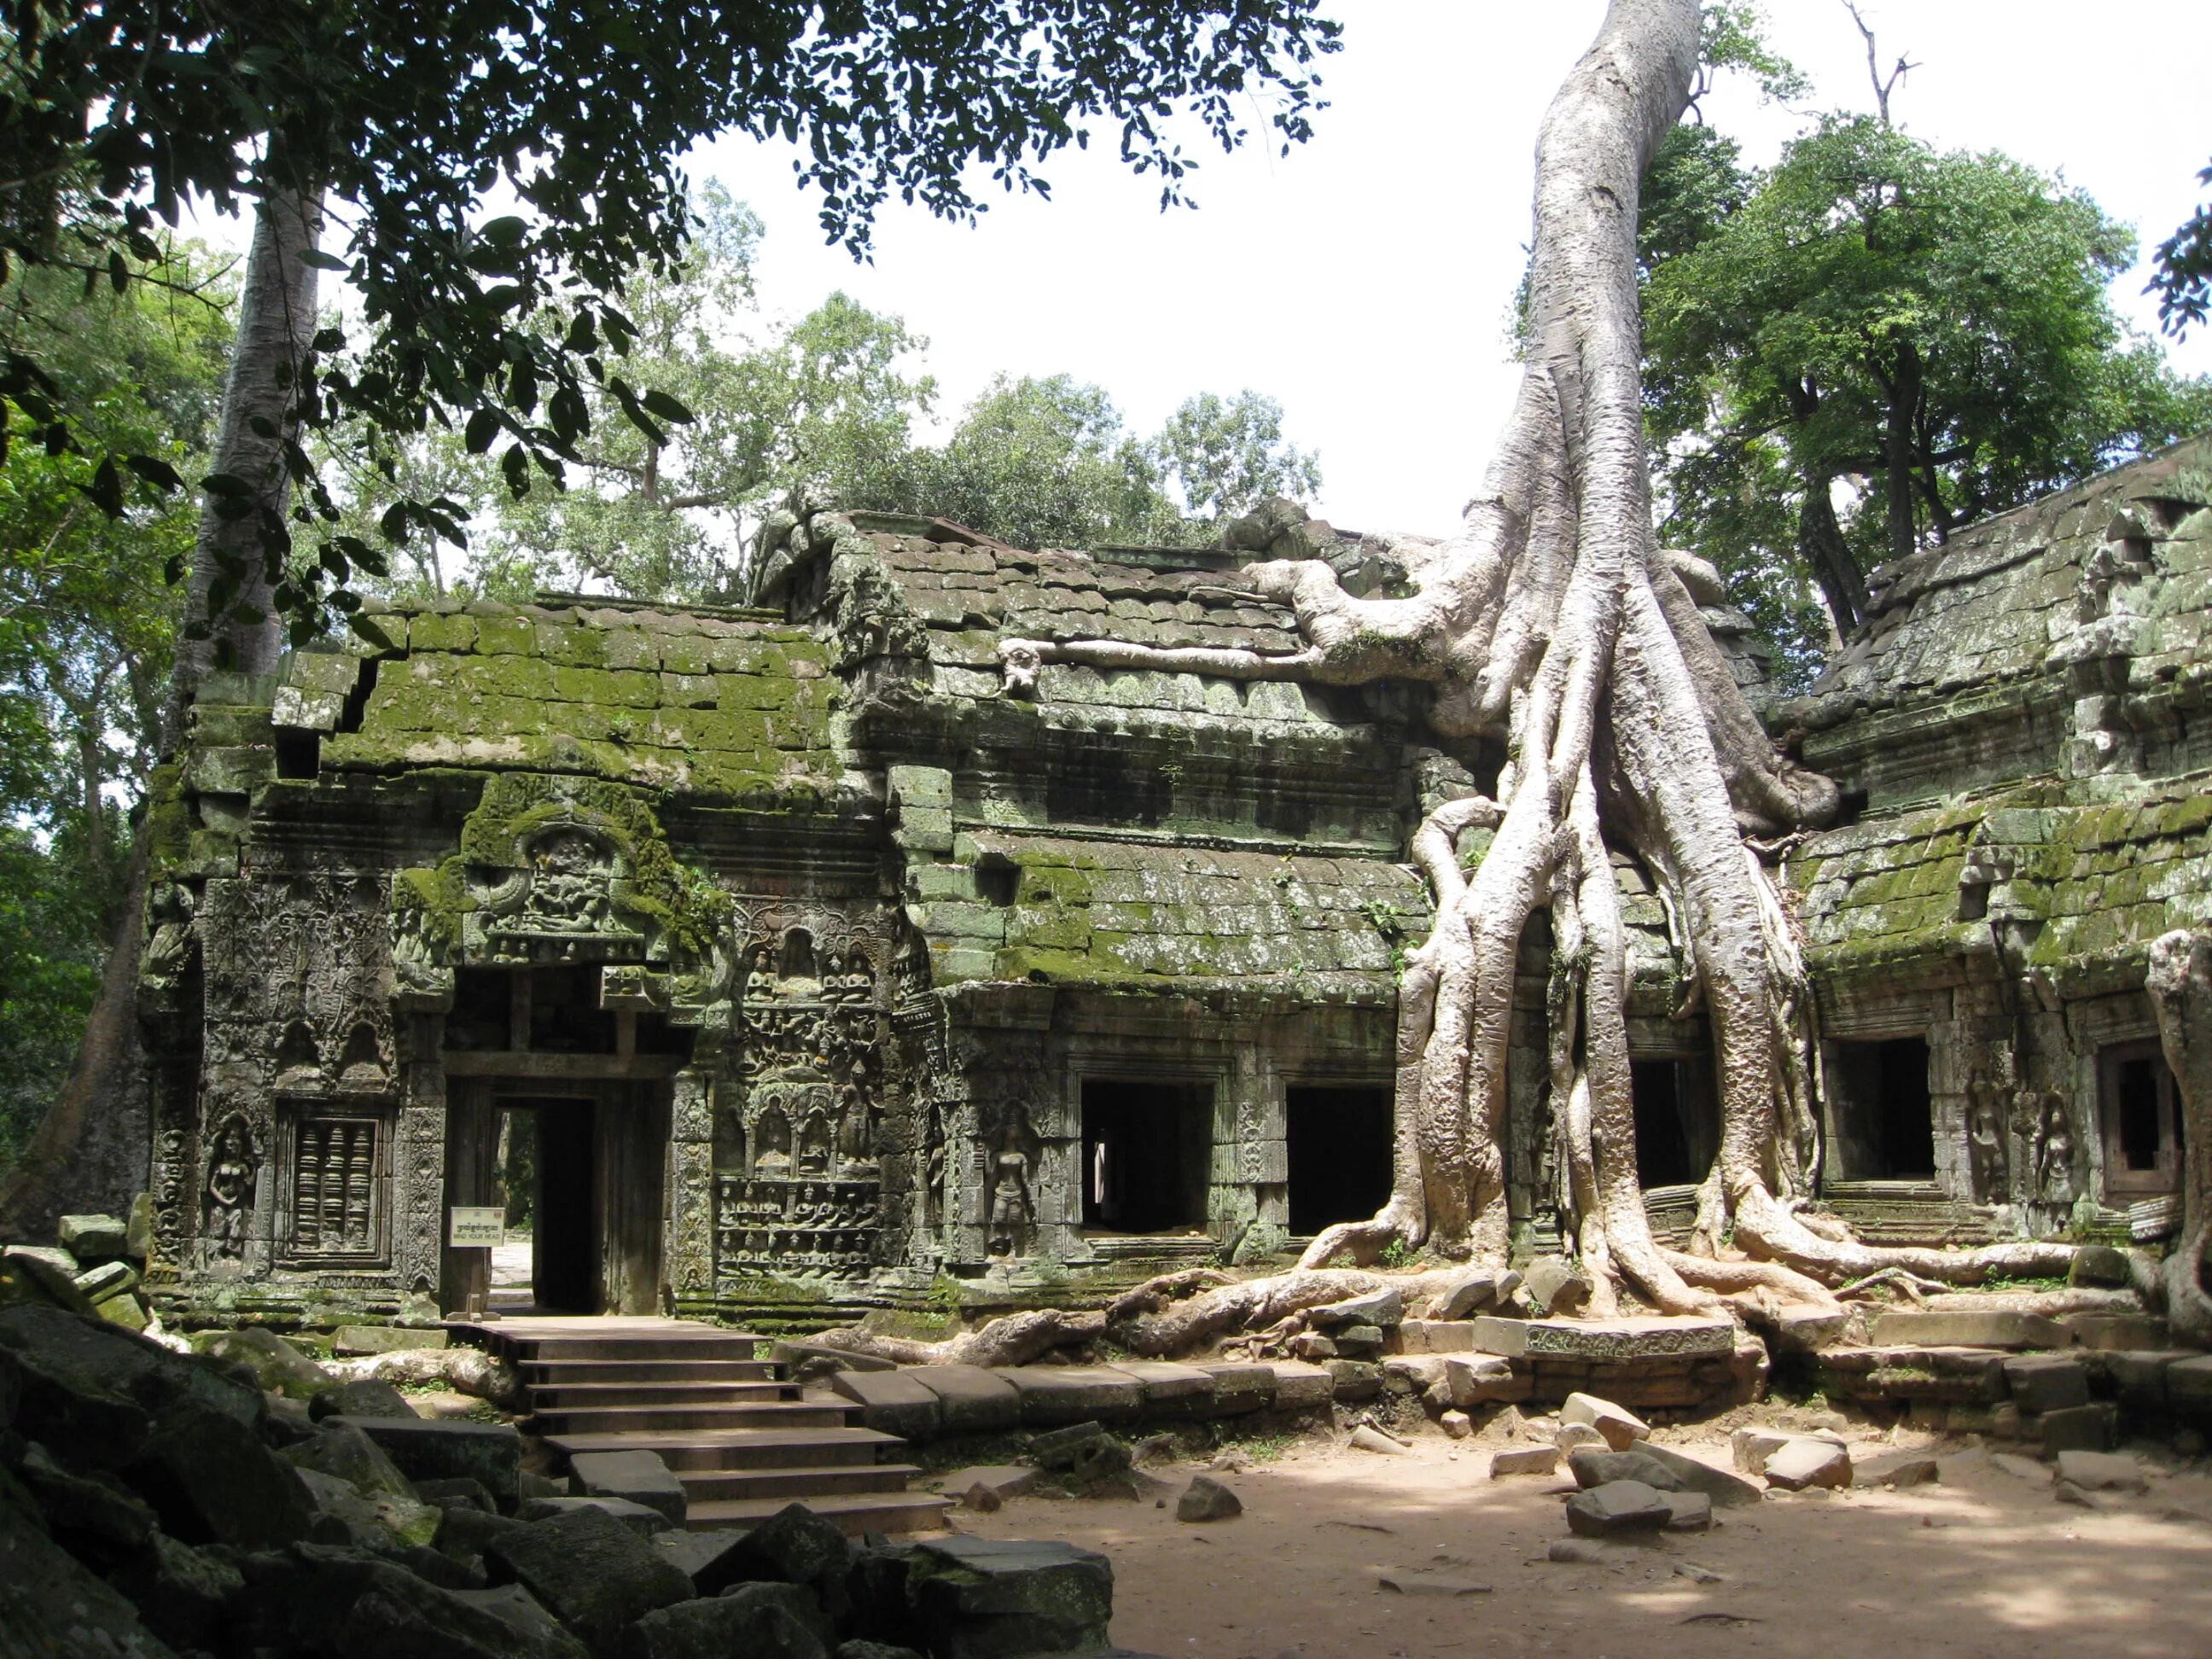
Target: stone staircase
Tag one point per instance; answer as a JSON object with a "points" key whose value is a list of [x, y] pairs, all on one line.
{"points": [[744, 1439]]}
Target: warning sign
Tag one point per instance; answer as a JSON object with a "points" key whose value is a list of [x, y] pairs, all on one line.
{"points": [[475, 1228]]}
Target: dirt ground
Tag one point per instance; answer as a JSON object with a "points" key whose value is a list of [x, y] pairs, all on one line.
{"points": [[1985, 1563]]}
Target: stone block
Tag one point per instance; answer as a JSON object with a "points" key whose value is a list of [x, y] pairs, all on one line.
{"points": [[1354, 1380], [1619, 1429], [2098, 1264], [1571, 1438], [1171, 1390], [1384, 1307], [1473, 1379], [1688, 1511], [1412, 1373], [1523, 1460], [2189, 1386], [2138, 1378], [1619, 1341], [1298, 1387], [1471, 1290], [971, 1399], [186, 1596], [1556, 1287], [276, 1365], [1752, 1447], [594, 1573], [93, 1238], [891, 1402], [989, 1598], [367, 1398], [639, 1476], [1435, 1335], [2106, 1333], [1968, 1329], [212, 1481], [1616, 1508], [639, 1519], [50, 1604], [430, 1448], [1899, 1469], [1073, 1394], [357, 1340], [2076, 1428], [988, 1485], [1242, 1388], [1808, 1462], [1208, 1499], [1592, 1466], [109, 1279], [516, 1608], [2101, 1471], [1726, 1490], [2046, 1382], [759, 1621]]}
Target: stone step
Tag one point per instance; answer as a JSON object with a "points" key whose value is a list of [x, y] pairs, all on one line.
{"points": [[739, 1448], [552, 1397], [854, 1513], [561, 1373], [748, 1414], [799, 1484], [712, 1345]]}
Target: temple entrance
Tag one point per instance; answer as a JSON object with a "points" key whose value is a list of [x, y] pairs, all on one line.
{"points": [[1146, 1148], [1338, 1145], [560, 1186], [1881, 1122], [1677, 1120]]}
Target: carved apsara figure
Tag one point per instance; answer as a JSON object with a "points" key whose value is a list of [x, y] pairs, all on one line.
{"points": [[233, 1162], [2054, 1160], [1985, 1141]]}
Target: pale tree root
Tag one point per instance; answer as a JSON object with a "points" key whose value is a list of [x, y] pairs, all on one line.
{"points": [[2179, 981], [1014, 1340], [471, 1371]]}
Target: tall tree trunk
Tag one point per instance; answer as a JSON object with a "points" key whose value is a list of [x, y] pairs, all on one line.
{"points": [[1554, 625], [91, 1149], [276, 329], [2181, 985], [1821, 545]]}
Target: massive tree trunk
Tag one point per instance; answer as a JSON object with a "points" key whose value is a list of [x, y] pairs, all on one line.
{"points": [[2181, 985], [90, 1149], [1555, 622]]}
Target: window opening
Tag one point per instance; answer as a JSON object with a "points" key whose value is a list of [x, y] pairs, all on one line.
{"points": [[2141, 1115]]}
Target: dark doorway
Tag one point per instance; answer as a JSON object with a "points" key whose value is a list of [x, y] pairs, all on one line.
{"points": [[564, 1268], [1884, 1125], [1145, 1147], [1662, 1151], [1339, 1148], [2142, 1120]]}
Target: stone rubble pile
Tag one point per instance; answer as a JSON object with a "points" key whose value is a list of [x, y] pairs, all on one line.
{"points": [[242, 1504], [93, 1267]]}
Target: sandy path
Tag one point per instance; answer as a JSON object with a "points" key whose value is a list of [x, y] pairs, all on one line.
{"points": [[1985, 1563]]}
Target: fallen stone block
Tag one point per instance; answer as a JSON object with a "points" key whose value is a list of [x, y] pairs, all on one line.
{"points": [[1378, 1307], [1208, 1499], [1084, 1452], [1073, 1394], [1457, 1424], [1615, 1342], [2138, 1376], [638, 1517], [594, 1573], [1571, 1437], [2046, 1382], [1968, 1329], [368, 1397], [1807, 1463], [1523, 1460], [1620, 1429], [2077, 1428], [2021, 1469], [759, 1621], [89, 1385], [1354, 1380], [1313, 1347], [1367, 1438], [1688, 1511], [429, 1449], [50, 1604], [891, 1402], [341, 1450], [1473, 1379], [212, 1481], [1899, 1469], [2098, 1471], [983, 1598], [2098, 1264], [1555, 1287], [1413, 1373], [1726, 1490], [516, 1608], [794, 1546], [1359, 1341], [2105, 1332], [1752, 1447], [354, 1340], [109, 1279], [638, 1476], [971, 1400], [1435, 1335], [1617, 1508], [92, 1238], [186, 1596], [1592, 1466], [1473, 1289], [988, 1485]]}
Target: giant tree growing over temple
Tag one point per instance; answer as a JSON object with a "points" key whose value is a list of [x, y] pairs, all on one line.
{"points": [[1553, 622]]}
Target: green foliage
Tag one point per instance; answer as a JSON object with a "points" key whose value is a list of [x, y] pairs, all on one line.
{"points": [[1871, 345], [1395, 1254], [2183, 277], [113, 117], [87, 625]]}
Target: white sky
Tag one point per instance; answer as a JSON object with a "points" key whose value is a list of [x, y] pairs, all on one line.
{"points": [[1363, 281]]}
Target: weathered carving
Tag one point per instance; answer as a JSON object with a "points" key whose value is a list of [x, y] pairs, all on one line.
{"points": [[333, 1187], [1985, 1141], [233, 1168]]}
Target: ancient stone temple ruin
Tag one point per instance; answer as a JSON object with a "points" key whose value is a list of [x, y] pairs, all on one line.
{"points": [[829, 953]]}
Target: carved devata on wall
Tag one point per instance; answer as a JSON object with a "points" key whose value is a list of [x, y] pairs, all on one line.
{"points": [[278, 1158], [799, 1180]]}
